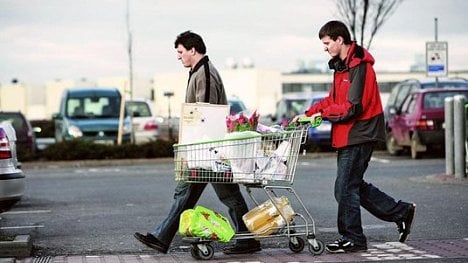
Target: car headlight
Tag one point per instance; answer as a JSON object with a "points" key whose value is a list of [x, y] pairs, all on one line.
{"points": [[74, 131]]}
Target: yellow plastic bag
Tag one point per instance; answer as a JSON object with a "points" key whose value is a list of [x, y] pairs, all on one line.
{"points": [[205, 223]]}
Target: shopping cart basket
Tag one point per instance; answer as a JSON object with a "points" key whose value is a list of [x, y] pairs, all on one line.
{"points": [[263, 161]]}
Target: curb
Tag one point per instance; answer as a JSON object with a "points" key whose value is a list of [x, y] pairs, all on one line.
{"points": [[21, 246], [91, 163], [121, 162], [446, 178]]}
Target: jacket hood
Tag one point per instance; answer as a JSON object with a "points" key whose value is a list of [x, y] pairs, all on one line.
{"points": [[357, 55]]}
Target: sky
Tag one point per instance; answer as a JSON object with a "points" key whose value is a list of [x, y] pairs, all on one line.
{"points": [[68, 39]]}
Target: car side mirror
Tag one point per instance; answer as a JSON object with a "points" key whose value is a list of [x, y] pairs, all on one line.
{"points": [[394, 111], [56, 116]]}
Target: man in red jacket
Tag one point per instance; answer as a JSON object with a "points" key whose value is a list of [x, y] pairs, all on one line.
{"points": [[355, 111]]}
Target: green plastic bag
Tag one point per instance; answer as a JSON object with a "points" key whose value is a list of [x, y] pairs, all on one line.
{"points": [[205, 223]]}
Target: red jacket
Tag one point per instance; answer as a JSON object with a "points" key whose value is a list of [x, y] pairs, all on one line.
{"points": [[353, 105]]}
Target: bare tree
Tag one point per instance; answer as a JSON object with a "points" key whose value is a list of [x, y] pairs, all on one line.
{"points": [[365, 16]]}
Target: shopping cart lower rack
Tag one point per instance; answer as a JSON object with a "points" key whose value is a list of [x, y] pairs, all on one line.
{"points": [[262, 161]]}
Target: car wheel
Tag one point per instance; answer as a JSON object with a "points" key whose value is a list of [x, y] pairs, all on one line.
{"points": [[417, 148], [392, 146], [58, 137]]}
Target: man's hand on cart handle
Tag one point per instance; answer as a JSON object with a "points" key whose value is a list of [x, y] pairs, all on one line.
{"points": [[314, 120]]}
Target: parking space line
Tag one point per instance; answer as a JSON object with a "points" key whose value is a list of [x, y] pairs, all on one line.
{"points": [[334, 229], [379, 160], [26, 212], [20, 227]]}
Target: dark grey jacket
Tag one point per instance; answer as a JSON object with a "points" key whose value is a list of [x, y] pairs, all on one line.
{"points": [[204, 75]]}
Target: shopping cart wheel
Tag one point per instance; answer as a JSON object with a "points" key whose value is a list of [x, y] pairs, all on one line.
{"points": [[296, 244], [194, 251], [203, 251], [316, 247]]}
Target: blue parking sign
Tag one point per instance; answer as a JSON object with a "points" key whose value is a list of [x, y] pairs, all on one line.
{"points": [[436, 59]]}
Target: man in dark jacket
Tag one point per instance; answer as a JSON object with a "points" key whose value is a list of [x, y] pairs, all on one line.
{"points": [[204, 85], [355, 110]]}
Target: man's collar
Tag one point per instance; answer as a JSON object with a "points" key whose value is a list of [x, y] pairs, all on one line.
{"points": [[202, 61]]}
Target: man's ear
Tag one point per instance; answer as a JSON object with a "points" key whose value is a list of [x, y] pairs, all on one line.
{"points": [[340, 39], [192, 51]]}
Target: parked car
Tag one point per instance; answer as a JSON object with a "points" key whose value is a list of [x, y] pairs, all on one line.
{"points": [[26, 139], [144, 122], [236, 106], [401, 90], [12, 179], [321, 135], [419, 123], [289, 106], [91, 113]]}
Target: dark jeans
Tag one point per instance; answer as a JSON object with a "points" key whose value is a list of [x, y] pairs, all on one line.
{"points": [[351, 192], [186, 196]]}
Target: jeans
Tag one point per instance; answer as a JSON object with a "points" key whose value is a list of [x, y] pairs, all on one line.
{"points": [[186, 195], [351, 192]]}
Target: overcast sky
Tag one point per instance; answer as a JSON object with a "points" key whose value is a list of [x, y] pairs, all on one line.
{"points": [[43, 40]]}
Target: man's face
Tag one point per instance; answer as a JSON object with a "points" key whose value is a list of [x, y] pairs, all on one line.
{"points": [[333, 47], [184, 55]]}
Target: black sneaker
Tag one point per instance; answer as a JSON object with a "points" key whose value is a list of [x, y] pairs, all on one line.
{"points": [[344, 246], [152, 242], [404, 226], [243, 247]]}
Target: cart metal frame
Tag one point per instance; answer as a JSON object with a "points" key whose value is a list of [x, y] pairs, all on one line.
{"points": [[257, 161]]}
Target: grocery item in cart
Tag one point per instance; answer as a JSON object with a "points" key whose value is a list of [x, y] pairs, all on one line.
{"points": [[205, 223], [240, 148], [266, 219], [273, 166]]}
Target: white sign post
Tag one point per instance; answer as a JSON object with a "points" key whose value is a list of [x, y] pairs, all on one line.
{"points": [[436, 59]]}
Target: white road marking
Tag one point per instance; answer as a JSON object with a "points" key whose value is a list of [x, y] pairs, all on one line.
{"points": [[395, 250], [378, 160], [334, 229], [20, 227], [26, 212]]}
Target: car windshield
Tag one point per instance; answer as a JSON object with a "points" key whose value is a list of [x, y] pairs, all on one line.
{"points": [[236, 107], [15, 120], [436, 100], [138, 109], [295, 107], [93, 107]]}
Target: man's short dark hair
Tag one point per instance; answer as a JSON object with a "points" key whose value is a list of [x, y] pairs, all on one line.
{"points": [[190, 40], [335, 29]]}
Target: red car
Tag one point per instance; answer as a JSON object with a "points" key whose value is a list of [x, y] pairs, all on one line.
{"points": [[419, 123]]}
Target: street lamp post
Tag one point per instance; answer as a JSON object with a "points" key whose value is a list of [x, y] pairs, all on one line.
{"points": [[169, 94]]}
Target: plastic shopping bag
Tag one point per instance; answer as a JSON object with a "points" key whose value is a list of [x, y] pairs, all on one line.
{"points": [[266, 219], [240, 148], [205, 223], [274, 166]]}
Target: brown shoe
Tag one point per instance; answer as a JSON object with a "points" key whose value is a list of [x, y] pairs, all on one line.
{"points": [[248, 247], [152, 242]]}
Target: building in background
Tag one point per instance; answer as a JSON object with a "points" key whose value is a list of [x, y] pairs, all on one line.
{"points": [[259, 89]]}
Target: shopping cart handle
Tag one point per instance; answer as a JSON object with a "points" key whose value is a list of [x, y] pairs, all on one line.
{"points": [[313, 123]]}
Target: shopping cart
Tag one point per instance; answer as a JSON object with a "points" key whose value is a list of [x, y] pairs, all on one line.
{"points": [[265, 161]]}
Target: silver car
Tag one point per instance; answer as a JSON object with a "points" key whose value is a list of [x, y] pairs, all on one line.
{"points": [[12, 178], [145, 124]]}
